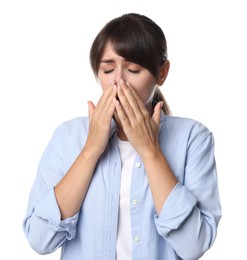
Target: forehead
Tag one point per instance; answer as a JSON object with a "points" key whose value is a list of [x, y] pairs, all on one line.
{"points": [[109, 50]]}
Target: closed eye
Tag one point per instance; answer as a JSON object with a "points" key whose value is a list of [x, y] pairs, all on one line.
{"points": [[134, 71], [108, 71]]}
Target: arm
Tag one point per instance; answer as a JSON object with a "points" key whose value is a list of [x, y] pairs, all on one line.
{"points": [[190, 216], [142, 132], [71, 190], [187, 213], [56, 196], [42, 225]]}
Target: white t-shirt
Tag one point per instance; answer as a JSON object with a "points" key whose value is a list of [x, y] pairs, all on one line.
{"points": [[124, 236]]}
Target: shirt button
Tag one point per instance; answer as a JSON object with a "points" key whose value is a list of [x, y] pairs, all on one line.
{"points": [[137, 239], [138, 165], [134, 201]]}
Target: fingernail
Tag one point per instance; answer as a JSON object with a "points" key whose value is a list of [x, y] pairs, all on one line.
{"points": [[121, 81]]}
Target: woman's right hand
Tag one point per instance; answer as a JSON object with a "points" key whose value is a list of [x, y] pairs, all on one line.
{"points": [[81, 171], [100, 117]]}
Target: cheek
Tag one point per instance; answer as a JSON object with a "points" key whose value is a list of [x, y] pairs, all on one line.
{"points": [[145, 88], [104, 81], [148, 97], [103, 84], [145, 93]]}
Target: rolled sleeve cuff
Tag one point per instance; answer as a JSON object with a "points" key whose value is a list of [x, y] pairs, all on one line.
{"points": [[47, 209], [176, 209]]}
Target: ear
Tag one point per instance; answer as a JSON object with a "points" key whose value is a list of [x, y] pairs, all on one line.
{"points": [[163, 73]]}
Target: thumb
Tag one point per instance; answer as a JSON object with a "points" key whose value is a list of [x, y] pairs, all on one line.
{"points": [[157, 112], [91, 108]]}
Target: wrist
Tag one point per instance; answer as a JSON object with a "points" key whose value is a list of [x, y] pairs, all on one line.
{"points": [[151, 154], [91, 152]]}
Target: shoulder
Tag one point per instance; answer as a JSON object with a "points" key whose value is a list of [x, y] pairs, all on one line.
{"points": [[183, 123], [72, 128], [75, 124], [185, 127]]}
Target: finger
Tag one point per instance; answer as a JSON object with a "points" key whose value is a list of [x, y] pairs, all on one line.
{"points": [[157, 112], [91, 108], [141, 112], [111, 109], [107, 97], [130, 94], [127, 104], [140, 109], [122, 116], [137, 99]]}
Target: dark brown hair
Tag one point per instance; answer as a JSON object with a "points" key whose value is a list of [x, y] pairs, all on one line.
{"points": [[138, 39]]}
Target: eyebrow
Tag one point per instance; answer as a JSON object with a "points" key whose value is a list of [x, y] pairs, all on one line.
{"points": [[107, 61]]}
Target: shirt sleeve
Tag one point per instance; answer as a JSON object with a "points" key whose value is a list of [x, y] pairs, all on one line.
{"points": [[42, 224], [190, 216]]}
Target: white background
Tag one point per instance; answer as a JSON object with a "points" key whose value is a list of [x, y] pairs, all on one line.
{"points": [[45, 79]]}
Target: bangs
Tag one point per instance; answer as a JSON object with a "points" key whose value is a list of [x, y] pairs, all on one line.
{"points": [[134, 44], [130, 44]]}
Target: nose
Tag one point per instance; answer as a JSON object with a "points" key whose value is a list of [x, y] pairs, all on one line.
{"points": [[119, 75]]}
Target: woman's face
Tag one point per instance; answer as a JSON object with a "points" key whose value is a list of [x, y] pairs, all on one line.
{"points": [[114, 67]]}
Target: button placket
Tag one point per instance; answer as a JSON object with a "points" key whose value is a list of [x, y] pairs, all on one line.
{"points": [[135, 206]]}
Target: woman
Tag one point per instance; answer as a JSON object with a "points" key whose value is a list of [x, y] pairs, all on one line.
{"points": [[129, 181]]}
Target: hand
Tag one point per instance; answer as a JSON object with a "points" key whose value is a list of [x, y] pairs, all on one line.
{"points": [[140, 128], [100, 117]]}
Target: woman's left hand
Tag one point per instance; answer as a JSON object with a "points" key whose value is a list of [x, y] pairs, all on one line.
{"points": [[139, 127]]}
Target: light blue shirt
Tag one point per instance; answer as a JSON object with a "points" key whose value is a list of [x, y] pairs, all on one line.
{"points": [[186, 226]]}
